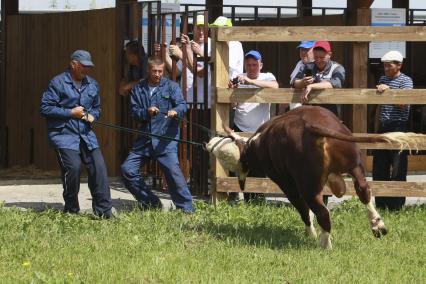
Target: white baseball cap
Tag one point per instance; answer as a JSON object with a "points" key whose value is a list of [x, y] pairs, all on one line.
{"points": [[392, 56]]}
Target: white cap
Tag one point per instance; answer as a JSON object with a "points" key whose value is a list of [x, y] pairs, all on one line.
{"points": [[393, 56], [200, 20]]}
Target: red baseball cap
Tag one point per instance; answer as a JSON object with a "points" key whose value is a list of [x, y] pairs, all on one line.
{"points": [[323, 45]]}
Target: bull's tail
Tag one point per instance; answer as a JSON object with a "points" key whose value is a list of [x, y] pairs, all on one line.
{"points": [[405, 140]]}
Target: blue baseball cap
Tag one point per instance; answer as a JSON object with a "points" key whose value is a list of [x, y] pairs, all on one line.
{"points": [[306, 44], [253, 53], [83, 57]]}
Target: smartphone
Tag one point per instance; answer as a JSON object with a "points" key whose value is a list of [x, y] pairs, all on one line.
{"points": [[307, 72]]}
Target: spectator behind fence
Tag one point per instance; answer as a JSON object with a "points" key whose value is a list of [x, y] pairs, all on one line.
{"points": [[175, 52], [392, 164], [249, 116], [155, 102], [306, 55], [197, 46], [137, 66], [321, 74], [236, 55], [70, 104]]}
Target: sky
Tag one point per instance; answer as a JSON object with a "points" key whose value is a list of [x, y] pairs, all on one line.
{"points": [[28, 5], [86, 4]]}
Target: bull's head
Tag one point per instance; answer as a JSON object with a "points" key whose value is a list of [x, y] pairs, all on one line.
{"points": [[228, 151]]}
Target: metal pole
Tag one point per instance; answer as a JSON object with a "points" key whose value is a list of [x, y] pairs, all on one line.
{"points": [[174, 71], [163, 37]]}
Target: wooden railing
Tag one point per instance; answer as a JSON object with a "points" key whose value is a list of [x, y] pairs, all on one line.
{"points": [[222, 96]]}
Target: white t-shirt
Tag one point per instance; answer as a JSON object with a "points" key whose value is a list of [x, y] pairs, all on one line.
{"points": [[151, 89], [236, 59], [249, 116], [296, 70], [189, 76], [236, 65]]}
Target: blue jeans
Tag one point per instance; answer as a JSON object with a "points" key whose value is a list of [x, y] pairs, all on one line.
{"points": [[169, 164]]}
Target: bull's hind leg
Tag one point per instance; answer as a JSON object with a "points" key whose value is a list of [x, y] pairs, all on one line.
{"points": [[316, 204], [364, 193], [297, 201], [303, 209]]}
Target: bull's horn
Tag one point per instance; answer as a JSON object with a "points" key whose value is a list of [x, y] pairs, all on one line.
{"points": [[231, 132]]}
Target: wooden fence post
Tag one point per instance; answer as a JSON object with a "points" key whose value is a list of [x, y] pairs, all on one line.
{"points": [[219, 111], [359, 76]]}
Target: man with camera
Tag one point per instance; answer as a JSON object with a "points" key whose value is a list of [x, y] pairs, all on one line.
{"points": [[321, 74], [249, 116], [306, 56]]}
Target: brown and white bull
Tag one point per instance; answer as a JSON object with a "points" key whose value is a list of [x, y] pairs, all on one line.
{"points": [[302, 151]]}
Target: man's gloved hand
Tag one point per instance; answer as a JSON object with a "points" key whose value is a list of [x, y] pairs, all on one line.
{"points": [[171, 113], [153, 111], [88, 117], [77, 112]]}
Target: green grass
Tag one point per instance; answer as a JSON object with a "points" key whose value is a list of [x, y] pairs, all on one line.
{"points": [[241, 244]]}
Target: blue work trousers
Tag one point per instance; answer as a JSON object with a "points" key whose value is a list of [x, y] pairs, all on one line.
{"points": [[169, 164], [70, 163]]}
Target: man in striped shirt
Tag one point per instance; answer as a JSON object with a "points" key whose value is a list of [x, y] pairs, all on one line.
{"points": [[392, 164]]}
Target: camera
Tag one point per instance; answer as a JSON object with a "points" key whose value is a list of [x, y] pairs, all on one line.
{"points": [[235, 81]]}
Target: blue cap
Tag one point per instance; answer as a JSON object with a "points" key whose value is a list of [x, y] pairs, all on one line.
{"points": [[83, 57], [253, 53], [306, 44]]}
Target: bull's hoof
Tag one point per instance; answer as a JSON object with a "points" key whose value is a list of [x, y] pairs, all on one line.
{"points": [[379, 232], [325, 241], [378, 228], [310, 231]]}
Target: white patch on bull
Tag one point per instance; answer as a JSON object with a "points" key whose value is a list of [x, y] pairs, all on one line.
{"points": [[310, 230], [325, 240], [376, 223], [227, 152], [337, 185]]}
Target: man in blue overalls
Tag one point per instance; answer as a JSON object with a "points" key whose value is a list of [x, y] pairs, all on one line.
{"points": [[154, 102], [70, 104]]}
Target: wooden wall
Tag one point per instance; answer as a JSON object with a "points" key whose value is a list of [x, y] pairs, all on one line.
{"points": [[39, 47]]}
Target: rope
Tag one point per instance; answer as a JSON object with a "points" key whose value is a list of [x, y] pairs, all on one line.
{"points": [[131, 130], [206, 129]]}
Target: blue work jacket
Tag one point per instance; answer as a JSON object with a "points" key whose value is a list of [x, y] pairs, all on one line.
{"points": [[57, 102], [167, 96]]}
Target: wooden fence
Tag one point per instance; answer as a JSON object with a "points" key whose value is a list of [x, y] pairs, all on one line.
{"points": [[222, 96]]}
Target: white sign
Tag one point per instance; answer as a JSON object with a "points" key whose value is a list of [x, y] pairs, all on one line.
{"points": [[387, 17], [165, 8]]}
